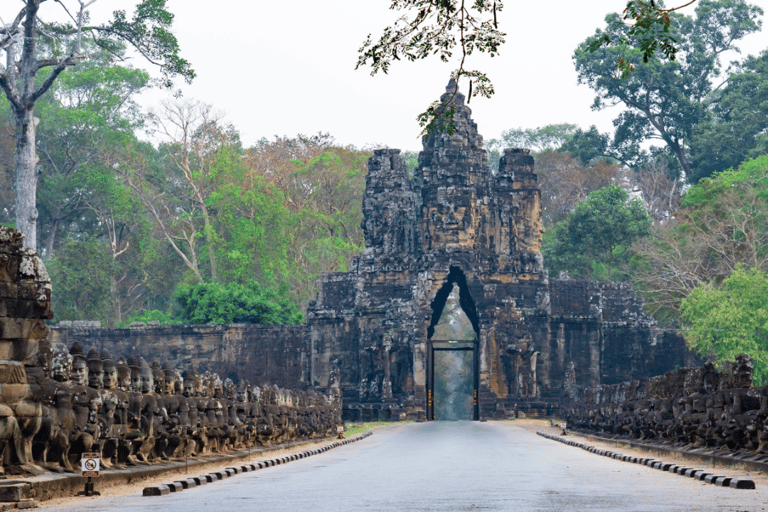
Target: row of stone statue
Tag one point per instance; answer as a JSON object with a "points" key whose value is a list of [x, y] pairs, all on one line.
{"points": [[133, 412], [691, 407]]}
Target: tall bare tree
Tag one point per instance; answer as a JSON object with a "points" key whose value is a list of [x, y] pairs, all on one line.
{"points": [[147, 32]]}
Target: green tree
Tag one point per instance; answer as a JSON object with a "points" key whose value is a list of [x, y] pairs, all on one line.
{"points": [[594, 241], [321, 186], [738, 126], [81, 281], [540, 139], [231, 303], [87, 116], [147, 31], [726, 320], [665, 100], [722, 223], [649, 30], [253, 227], [588, 146]]}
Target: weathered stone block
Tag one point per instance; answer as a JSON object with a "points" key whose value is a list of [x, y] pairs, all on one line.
{"points": [[13, 492]]}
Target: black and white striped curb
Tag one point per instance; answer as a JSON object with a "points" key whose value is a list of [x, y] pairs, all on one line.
{"points": [[698, 474], [180, 485]]}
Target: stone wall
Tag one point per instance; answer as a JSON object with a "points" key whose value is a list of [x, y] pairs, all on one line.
{"points": [[262, 354], [697, 408]]}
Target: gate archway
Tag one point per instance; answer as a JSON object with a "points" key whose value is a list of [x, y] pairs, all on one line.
{"points": [[455, 278]]}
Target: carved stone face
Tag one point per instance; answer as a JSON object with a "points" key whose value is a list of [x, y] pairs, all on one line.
{"points": [[188, 387], [80, 372], [123, 378], [147, 382], [96, 379], [135, 380], [170, 384], [61, 366], [110, 377], [159, 381]]}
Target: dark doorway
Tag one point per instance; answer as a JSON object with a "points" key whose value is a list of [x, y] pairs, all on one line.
{"points": [[457, 393], [454, 385], [452, 352]]}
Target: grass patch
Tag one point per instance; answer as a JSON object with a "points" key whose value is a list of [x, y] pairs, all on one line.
{"points": [[352, 429]]}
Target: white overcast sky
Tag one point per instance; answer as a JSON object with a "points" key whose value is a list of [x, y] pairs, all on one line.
{"points": [[287, 67]]}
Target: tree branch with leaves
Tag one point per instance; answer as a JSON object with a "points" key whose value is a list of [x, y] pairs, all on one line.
{"points": [[439, 27]]}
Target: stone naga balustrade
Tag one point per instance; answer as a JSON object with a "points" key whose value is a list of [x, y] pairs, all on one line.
{"points": [[687, 407], [58, 402]]}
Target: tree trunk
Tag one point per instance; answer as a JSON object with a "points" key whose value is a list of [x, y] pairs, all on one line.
{"points": [[25, 161], [50, 240]]}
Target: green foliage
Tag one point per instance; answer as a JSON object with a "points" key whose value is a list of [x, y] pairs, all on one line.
{"points": [[650, 30], [231, 303], [80, 279], [540, 139], [751, 175], [664, 100], [723, 222], [252, 230], [588, 146], [411, 160], [438, 28], [149, 33], [594, 241], [722, 322], [149, 315], [738, 126]]}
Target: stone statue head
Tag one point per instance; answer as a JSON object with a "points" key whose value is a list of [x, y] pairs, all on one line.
{"points": [[158, 376], [110, 370], [188, 383], [79, 365], [147, 380], [135, 367], [95, 370], [743, 371], [172, 385], [123, 375], [44, 358], [61, 363], [243, 388], [230, 391]]}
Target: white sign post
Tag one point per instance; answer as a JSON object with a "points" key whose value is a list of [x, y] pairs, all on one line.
{"points": [[90, 465]]}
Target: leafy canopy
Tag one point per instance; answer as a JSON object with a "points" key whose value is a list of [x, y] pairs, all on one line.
{"points": [[665, 100], [594, 240], [649, 29], [722, 322], [233, 303]]}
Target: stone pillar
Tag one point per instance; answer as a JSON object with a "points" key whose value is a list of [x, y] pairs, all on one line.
{"points": [[25, 304]]}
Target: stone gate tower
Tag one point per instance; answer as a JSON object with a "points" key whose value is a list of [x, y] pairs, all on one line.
{"points": [[457, 222]]}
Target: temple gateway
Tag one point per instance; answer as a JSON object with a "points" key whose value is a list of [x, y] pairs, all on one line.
{"points": [[456, 222]]}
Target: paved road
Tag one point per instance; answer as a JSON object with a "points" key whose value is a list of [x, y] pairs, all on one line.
{"points": [[447, 466]]}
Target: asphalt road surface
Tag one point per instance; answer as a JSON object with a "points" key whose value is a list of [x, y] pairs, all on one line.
{"points": [[446, 466]]}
